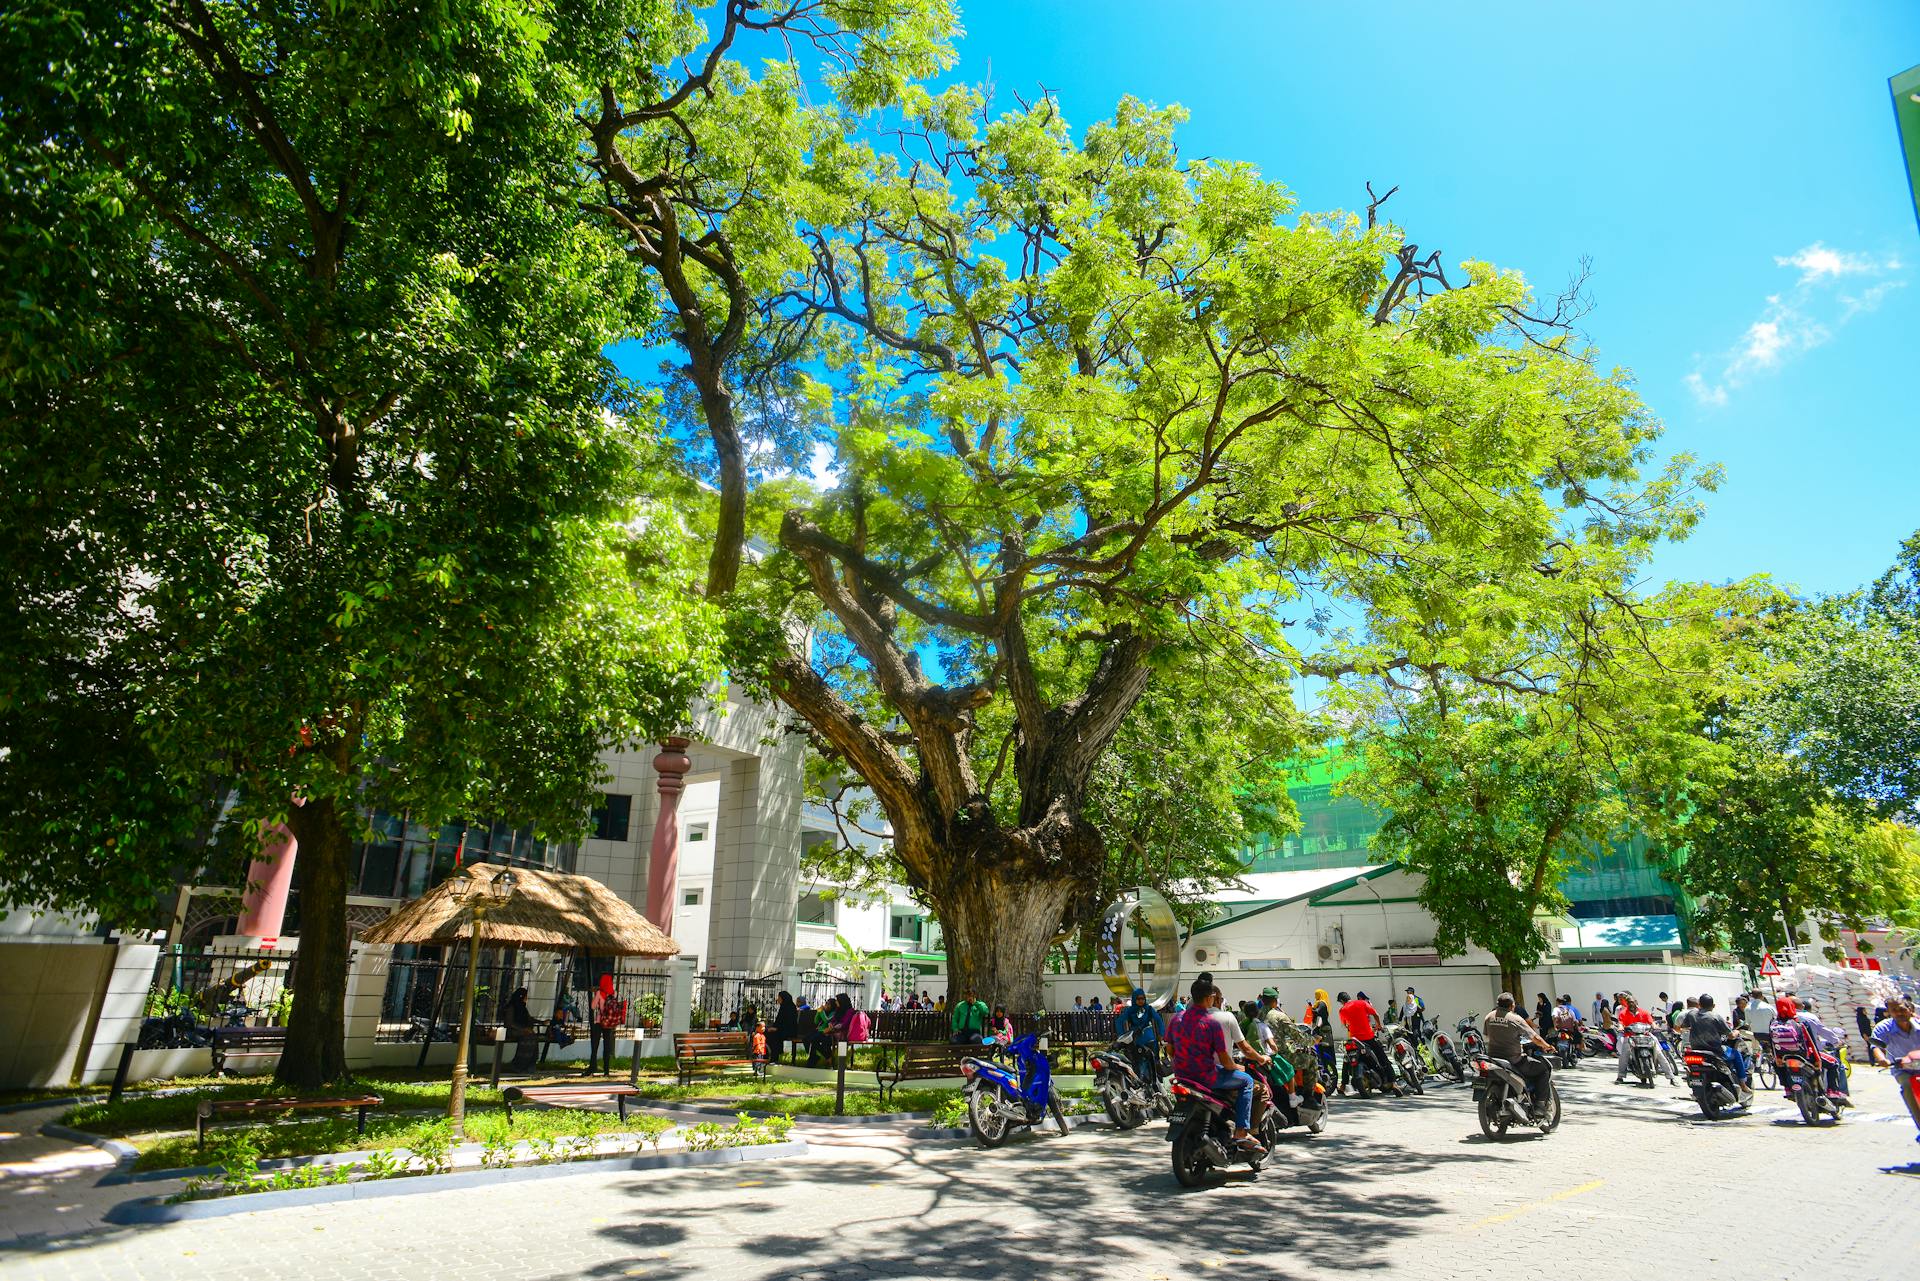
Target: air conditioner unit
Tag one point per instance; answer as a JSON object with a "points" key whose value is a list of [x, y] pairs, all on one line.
{"points": [[1210, 955], [1334, 945]]}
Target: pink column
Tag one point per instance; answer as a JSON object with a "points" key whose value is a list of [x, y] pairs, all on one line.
{"points": [[263, 904], [663, 864]]}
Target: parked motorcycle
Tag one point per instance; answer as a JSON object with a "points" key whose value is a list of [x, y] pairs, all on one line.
{"points": [[1806, 1084], [1001, 1099], [1451, 1060], [172, 1032], [1471, 1040], [1643, 1053], [1598, 1042], [1501, 1097], [1131, 1100], [1405, 1057], [1201, 1132], [1714, 1086]]}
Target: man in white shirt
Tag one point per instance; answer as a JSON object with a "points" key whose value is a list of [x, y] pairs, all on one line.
{"points": [[1760, 1015]]}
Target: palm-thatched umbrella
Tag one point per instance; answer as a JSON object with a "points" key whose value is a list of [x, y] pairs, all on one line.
{"points": [[544, 911], [549, 912]]}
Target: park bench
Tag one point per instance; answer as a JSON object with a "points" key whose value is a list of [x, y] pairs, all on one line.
{"points": [[695, 1052], [922, 1062], [561, 1094], [245, 1043], [209, 1109]]}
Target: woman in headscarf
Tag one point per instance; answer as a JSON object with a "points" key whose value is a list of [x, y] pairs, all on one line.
{"points": [[1802, 1030], [605, 1013], [786, 1026]]}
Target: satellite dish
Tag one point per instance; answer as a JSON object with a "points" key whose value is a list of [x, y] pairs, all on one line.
{"points": [[1120, 938]]}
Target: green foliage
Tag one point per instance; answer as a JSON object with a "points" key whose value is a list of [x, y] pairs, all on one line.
{"points": [[952, 1112], [432, 1149], [650, 1010], [855, 962]]}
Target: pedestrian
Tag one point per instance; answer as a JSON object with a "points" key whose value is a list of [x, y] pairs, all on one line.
{"points": [[1413, 1012], [1865, 1025], [1601, 1007], [1543, 1015], [786, 1026], [607, 1013], [1760, 1015]]}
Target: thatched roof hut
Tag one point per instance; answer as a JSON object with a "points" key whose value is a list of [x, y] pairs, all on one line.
{"points": [[549, 912]]}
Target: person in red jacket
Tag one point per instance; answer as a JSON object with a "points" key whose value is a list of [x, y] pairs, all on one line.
{"points": [[1362, 1023]]}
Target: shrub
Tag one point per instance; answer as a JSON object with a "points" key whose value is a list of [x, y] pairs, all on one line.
{"points": [[433, 1148]]}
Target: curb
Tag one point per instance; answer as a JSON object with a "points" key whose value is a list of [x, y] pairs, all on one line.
{"points": [[124, 1153], [151, 1210], [31, 1104], [799, 1118]]}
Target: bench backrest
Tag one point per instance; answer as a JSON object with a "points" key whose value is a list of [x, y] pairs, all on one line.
{"points": [[250, 1035], [691, 1045], [923, 1055]]}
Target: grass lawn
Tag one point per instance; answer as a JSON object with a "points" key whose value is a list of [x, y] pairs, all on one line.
{"points": [[160, 1126]]}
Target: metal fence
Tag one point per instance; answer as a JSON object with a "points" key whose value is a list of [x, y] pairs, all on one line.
{"points": [[424, 995], [644, 991], [723, 1000], [923, 1026], [222, 987], [818, 989]]}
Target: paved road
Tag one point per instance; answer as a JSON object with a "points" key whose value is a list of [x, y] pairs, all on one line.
{"points": [[1633, 1184]]}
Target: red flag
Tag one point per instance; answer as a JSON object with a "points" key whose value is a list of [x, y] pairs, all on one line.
{"points": [[460, 853]]}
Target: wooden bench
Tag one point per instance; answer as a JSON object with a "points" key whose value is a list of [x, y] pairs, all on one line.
{"points": [[566, 1094], [924, 1062], [210, 1108], [694, 1052], [245, 1043]]}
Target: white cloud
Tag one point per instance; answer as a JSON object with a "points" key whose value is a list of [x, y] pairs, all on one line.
{"points": [[820, 469], [1797, 320]]}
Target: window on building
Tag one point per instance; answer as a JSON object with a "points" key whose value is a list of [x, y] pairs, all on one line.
{"points": [[906, 927], [690, 899], [1266, 962], [697, 832], [816, 908], [611, 815]]}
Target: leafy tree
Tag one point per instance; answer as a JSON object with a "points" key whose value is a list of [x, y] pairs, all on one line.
{"points": [[1102, 417], [856, 962], [317, 484], [1496, 789]]}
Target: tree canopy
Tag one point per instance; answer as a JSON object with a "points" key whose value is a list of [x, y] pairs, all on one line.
{"points": [[318, 484]]}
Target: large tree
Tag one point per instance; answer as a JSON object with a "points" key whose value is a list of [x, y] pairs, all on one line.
{"points": [[1102, 416], [316, 487], [1500, 781]]}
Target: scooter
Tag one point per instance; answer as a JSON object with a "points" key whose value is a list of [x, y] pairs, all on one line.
{"points": [[1806, 1085], [1201, 1132], [1405, 1057], [1501, 1097], [1360, 1068], [1299, 1104], [1000, 1099], [1598, 1042], [1567, 1048], [1448, 1053], [1714, 1086], [1471, 1040], [1642, 1052], [1129, 1098]]}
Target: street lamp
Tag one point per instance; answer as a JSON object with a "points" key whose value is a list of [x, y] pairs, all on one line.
{"points": [[478, 897]]}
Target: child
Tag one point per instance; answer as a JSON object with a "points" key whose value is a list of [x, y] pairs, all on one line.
{"points": [[760, 1048]]}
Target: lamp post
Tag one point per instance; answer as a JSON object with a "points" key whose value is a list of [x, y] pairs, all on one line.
{"points": [[479, 899]]}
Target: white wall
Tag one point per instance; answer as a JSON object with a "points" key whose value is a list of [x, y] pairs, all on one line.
{"points": [[48, 992]]}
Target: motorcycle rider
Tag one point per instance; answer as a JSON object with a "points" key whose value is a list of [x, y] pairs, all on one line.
{"points": [[1362, 1022], [1631, 1014], [1202, 1055], [1798, 1029], [1899, 1036], [1293, 1042], [1566, 1018], [1508, 1034], [1711, 1034], [1149, 1030]]}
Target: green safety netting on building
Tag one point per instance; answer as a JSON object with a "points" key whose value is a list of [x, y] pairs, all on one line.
{"points": [[1338, 831]]}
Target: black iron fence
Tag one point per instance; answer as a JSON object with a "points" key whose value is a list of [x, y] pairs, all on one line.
{"points": [[1066, 1028], [424, 995], [728, 1000], [818, 989], [644, 991], [221, 987]]}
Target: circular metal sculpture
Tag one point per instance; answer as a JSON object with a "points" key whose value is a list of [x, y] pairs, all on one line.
{"points": [[1120, 938]]}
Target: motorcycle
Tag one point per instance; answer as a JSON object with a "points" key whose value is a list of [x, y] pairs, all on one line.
{"points": [[1642, 1052], [1405, 1057], [1806, 1085], [1501, 1097], [1360, 1068], [1201, 1132], [1130, 1100], [1000, 1099], [1471, 1039], [172, 1032], [1714, 1086], [1598, 1042], [1448, 1053], [1567, 1047]]}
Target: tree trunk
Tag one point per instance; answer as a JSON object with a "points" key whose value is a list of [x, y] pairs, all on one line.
{"points": [[999, 925], [316, 1052], [1510, 980]]}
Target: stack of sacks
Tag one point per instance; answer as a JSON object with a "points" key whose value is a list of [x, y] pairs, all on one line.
{"points": [[1833, 994]]}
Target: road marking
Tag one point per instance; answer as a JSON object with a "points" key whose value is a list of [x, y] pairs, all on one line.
{"points": [[751, 1183], [1519, 1210]]}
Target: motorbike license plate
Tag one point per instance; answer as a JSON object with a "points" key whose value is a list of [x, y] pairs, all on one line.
{"points": [[1479, 1091]]}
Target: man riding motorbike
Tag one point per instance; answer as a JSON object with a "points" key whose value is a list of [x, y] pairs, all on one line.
{"points": [[1899, 1036], [1629, 1015], [1710, 1033], [1363, 1023], [1798, 1029], [1202, 1056], [1508, 1034], [1149, 1030]]}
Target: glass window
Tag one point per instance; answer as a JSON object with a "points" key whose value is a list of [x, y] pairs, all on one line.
{"points": [[690, 899], [611, 816], [906, 927], [698, 832], [816, 908]]}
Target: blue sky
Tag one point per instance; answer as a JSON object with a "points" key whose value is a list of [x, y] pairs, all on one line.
{"points": [[1732, 170]]}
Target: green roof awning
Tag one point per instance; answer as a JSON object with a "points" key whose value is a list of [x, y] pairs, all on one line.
{"points": [[1906, 111]]}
